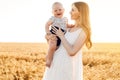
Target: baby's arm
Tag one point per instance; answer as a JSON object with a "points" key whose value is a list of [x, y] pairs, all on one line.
{"points": [[67, 24], [47, 25]]}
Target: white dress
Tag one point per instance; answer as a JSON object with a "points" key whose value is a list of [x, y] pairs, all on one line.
{"points": [[64, 66]]}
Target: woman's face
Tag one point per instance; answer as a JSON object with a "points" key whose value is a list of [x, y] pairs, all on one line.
{"points": [[75, 14]]}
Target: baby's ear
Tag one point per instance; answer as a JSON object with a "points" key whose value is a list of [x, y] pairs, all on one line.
{"points": [[63, 9]]}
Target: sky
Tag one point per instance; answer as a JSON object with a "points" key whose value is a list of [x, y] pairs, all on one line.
{"points": [[24, 20]]}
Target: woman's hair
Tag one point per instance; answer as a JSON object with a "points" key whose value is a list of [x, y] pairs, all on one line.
{"points": [[84, 21]]}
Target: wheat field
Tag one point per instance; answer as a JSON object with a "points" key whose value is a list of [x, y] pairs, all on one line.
{"points": [[26, 61]]}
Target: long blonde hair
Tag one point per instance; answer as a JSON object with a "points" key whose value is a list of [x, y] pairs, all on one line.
{"points": [[84, 21]]}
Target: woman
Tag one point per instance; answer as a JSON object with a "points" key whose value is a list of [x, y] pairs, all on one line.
{"points": [[67, 60]]}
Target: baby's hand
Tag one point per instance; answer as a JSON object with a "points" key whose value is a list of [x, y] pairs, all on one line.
{"points": [[53, 37], [47, 36], [70, 25]]}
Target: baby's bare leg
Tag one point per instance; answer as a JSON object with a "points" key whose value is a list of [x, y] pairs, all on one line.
{"points": [[51, 50]]}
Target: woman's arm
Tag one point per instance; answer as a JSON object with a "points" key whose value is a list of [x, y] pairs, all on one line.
{"points": [[72, 49]]}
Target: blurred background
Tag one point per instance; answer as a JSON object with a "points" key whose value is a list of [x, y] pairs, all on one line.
{"points": [[24, 20]]}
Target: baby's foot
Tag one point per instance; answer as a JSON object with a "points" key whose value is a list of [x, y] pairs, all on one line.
{"points": [[48, 62]]}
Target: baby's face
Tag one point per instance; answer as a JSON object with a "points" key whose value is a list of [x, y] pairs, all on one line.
{"points": [[58, 11]]}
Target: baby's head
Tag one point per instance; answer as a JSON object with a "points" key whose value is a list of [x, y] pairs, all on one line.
{"points": [[57, 9]]}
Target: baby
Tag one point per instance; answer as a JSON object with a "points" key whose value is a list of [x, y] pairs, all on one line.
{"points": [[57, 20]]}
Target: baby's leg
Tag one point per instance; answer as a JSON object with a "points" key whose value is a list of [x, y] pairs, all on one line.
{"points": [[51, 50]]}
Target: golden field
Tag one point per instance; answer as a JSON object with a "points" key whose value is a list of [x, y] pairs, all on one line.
{"points": [[26, 61]]}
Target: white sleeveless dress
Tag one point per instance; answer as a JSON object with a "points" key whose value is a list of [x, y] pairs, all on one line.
{"points": [[64, 66]]}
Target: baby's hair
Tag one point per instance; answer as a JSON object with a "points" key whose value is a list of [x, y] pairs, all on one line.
{"points": [[56, 3]]}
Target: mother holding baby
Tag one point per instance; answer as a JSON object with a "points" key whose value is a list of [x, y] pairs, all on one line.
{"points": [[67, 61]]}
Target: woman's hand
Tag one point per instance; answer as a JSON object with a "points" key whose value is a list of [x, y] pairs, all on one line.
{"points": [[47, 36], [53, 37], [50, 37], [58, 32]]}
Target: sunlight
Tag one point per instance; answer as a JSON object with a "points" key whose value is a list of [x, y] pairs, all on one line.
{"points": [[24, 20]]}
